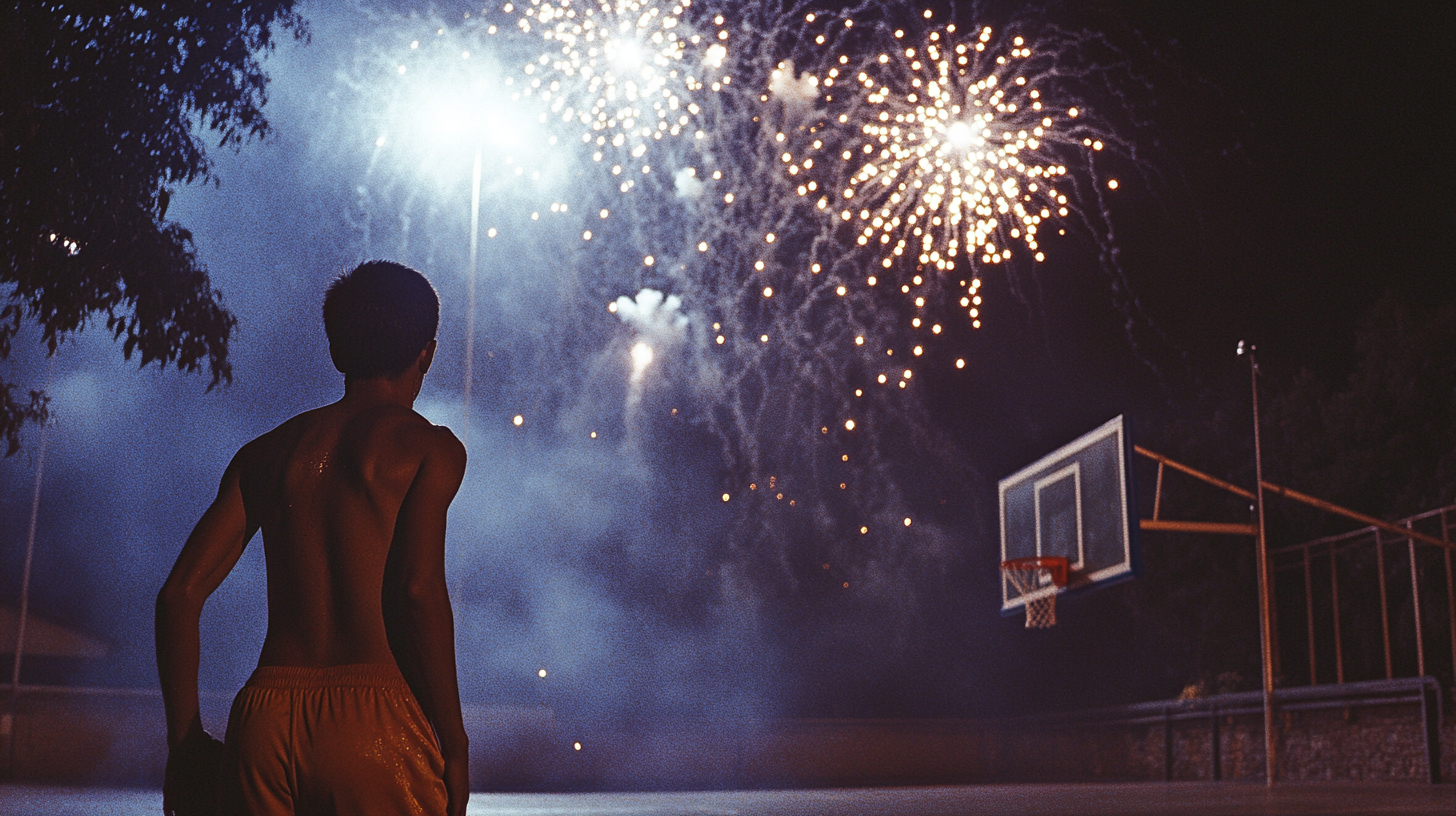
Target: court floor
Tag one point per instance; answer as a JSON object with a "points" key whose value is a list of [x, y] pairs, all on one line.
{"points": [[1133, 799]]}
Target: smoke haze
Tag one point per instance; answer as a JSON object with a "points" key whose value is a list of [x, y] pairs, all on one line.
{"points": [[591, 540]]}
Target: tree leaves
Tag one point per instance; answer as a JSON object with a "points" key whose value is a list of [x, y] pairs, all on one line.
{"points": [[1384, 440], [1380, 439], [100, 114]]}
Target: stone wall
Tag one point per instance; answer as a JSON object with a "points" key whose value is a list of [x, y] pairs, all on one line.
{"points": [[118, 739], [1384, 743]]}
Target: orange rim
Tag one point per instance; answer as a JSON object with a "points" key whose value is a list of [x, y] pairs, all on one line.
{"points": [[1054, 564]]}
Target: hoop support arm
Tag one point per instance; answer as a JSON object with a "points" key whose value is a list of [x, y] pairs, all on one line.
{"points": [[1288, 493], [1219, 528], [1328, 507], [1197, 474]]}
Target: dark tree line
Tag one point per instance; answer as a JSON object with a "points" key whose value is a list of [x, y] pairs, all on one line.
{"points": [[105, 108], [1383, 440], [1379, 438]]}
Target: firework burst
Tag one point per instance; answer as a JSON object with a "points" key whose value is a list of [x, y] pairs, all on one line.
{"points": [[778, 210], [625, 71], [945, 154]]}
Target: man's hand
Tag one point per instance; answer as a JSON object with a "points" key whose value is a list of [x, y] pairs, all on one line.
{"points": [[194, 775], [457, 784], [211, 551], [417, 610]]}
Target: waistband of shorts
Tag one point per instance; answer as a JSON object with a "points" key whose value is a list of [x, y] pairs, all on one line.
{"points": [[357, 675]]}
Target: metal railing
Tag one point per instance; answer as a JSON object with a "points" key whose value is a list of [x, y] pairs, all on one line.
{"points": [[1338, 570]]}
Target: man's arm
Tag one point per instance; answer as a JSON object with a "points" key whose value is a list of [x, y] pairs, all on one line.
{"points": [[211, 551], [418, 604]]}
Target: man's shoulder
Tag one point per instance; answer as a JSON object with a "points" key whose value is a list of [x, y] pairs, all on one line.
{"points": [[408, 421], [386, 425], [278, 435], [415, 431], [440, 440]]}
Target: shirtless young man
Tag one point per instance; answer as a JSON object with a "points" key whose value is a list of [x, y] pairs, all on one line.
{"points": [[351, 499]]}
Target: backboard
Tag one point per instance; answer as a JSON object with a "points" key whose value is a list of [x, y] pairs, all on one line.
{"points": [[1074, 502]]}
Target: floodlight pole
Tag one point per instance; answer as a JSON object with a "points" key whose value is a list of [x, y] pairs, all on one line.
{"points": [[12, 715], [1266, 634], [470, 290]]}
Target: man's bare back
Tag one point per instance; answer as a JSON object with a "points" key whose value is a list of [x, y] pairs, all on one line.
{"points": [[351, 499], [327, 488]]}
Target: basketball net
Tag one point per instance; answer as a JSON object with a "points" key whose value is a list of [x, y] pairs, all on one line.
{"points": [[1030, 574]]}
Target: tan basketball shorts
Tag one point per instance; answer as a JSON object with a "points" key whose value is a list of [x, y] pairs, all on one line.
{"points": [[346, 740]]}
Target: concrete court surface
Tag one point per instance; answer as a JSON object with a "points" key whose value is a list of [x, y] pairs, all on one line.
{"points": [[1132, 799]]}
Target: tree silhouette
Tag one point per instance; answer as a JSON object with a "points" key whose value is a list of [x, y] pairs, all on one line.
{"points": [[1378, 437], [103, 109]]}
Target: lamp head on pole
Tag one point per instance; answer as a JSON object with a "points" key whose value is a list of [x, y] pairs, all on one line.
{"points": [[1250, 348]]}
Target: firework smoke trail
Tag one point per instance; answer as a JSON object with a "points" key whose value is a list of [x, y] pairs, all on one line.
{"points": [[666, 176], [418, 98], [821, 324], [420, 95], [704, 216], [779, 379], [695, 218]]}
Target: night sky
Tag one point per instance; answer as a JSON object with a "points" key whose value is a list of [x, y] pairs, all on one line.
{"points": [[1333, 192], [1304, 171], [1305, 178]]}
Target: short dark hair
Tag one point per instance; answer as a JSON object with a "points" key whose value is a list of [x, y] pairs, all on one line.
{"points": [[379, 317]]}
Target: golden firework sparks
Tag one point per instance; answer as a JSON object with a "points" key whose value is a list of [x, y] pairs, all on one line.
{"points": [[940, 155], [626, 71]]}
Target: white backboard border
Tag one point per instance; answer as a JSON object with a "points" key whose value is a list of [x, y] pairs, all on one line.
{"points": [[1079, 581]]}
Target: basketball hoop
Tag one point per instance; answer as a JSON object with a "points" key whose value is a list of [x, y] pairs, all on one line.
{"points": [[1031, 574]]}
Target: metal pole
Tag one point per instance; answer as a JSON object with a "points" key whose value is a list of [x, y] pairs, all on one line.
{"points": [[1197, 474], [1309, 617], [1450, 596], [1431, 729], [1384, 602], [1335, 603], [1266, 624], [1217, 770], [1158, 493], [470, 290], [1416, 604], [1215, 527], [24, 611], [1330, 507], [1167, 745]]}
